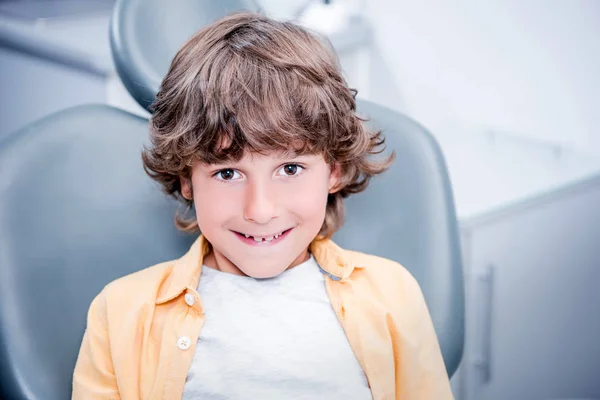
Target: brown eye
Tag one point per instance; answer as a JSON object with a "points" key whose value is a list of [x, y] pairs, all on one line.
{"points": [[226, 174], [291, 169]]}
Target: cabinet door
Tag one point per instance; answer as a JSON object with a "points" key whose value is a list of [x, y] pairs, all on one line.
{"points": [[533, 322]]}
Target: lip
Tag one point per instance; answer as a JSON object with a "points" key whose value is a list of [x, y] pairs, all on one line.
{"points": [[251, 242]]}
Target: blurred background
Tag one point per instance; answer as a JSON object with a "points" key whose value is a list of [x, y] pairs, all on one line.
{"points": [[511, 91]]}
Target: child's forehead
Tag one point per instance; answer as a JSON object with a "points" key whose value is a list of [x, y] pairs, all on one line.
{"points": [[294, 148], [237, 146], [274, 154]]}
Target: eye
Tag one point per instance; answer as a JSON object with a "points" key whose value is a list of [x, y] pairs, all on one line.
{"points": [[291, 169], [226, 174]]}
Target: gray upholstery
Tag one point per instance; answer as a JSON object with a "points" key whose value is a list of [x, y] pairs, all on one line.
{"points": [[407, 214], [146, 34], [77, 211], [417, 211]]}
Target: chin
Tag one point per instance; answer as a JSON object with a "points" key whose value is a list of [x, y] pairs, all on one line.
{"points": [[260, 272]]}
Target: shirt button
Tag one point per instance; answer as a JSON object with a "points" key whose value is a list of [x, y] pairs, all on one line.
{"points": [[184, 343], [189, 299]]}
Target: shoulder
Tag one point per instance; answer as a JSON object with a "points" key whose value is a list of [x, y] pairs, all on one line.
{"points": [[389, 280], [382, 269], [143, 278], [135, 290]]}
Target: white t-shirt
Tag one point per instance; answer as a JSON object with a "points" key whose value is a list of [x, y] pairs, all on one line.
{"points": [[275, 338]]}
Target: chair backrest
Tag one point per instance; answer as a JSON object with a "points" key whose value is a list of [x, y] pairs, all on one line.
{"points": [[146, 34], [407, 214], [410, 212], [76, 211]]}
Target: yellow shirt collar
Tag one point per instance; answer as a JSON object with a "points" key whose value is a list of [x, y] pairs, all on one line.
{"points": [[332, 259]]}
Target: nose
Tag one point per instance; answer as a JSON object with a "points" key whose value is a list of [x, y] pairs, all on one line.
{"points": [[260, 205]]}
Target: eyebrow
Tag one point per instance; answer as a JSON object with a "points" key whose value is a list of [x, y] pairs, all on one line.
{"points": [[280, 155]]}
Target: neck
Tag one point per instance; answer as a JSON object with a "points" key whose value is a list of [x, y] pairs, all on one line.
{"points": [[216, 260]]}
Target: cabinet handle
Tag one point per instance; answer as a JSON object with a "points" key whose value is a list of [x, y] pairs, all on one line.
{"points": [[485, 283]]}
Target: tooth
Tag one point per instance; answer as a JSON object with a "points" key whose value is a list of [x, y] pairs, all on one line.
{"points": [[258, 239], [246, 235], [268, 239]]}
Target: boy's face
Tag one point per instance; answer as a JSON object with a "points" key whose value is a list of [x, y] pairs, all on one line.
{"points": [[261, 196]]}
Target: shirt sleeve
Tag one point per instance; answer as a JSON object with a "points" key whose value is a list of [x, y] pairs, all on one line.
{"points": [[94, 376], [423, 373]]}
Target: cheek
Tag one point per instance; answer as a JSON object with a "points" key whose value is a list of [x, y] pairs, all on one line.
{"points": [[212, 205], [309, 199]]}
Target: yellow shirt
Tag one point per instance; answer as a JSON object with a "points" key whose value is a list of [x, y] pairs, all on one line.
{"points": [[132, 347]]}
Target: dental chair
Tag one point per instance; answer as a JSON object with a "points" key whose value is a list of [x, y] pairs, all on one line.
{"points": [[78, 211]]}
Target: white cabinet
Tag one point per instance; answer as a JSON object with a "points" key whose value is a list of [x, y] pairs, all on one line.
{"points": [[533, 290], [532, 270]]}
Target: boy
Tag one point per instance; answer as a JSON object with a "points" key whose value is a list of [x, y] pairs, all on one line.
{"points": [[255, 129]]}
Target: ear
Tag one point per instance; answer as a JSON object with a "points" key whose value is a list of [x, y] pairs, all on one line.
{"points": [[186, 188], [335, 178]]}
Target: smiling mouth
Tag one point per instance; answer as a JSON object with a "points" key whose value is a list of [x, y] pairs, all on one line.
{"points": [[251, 239]]}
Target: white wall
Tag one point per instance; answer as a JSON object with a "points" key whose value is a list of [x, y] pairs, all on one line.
{"points": [[524, 67], [446, 67]]}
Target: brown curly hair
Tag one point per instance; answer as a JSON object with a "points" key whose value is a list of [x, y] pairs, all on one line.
{"points": [[250, 83]]}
